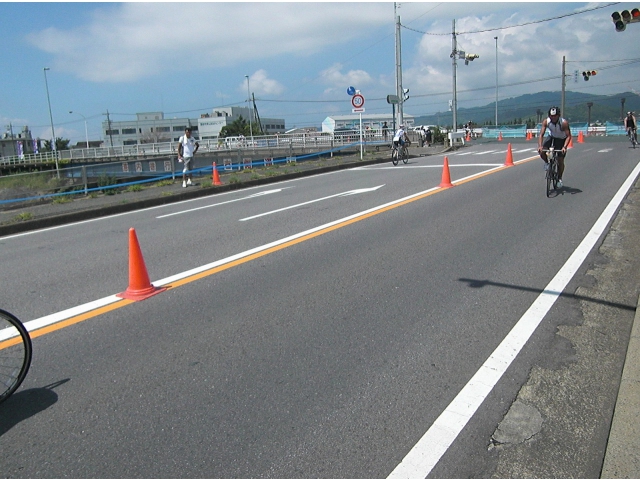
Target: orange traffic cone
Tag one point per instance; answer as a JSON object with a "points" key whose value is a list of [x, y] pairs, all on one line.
{"points": [[446, 178], [509, 160], [500, 136], [140, 288], [570, 143], [580, 137], [468, 139], [216, 175]]}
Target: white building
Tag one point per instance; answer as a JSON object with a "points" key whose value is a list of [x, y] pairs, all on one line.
{"points": [[153, 127], [209, 125], [373, 121]]}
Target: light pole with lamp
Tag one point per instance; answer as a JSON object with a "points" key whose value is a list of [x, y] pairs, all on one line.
{"points": [[86, 132], [496, 39], [53, 133], [249, 105]]}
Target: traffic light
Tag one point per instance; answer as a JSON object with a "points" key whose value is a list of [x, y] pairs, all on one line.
{"points": [[589, 73], [405, 93], [620, 19], [469, 58]]}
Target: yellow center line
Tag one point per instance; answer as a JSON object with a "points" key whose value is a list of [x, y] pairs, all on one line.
{"points": [[192, 278]]}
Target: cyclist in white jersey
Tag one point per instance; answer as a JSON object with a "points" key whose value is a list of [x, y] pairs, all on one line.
{"points": [[559, 136]]}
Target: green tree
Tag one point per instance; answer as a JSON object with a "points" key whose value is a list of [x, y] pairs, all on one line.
{"points": [[61, 144], [238, 127]]}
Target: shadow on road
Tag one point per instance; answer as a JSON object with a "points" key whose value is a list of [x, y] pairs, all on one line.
{"points": [[27, 403], [475, 283]]}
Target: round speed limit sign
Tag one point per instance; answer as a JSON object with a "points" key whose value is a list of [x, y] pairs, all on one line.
{"points": [[357, 101]]}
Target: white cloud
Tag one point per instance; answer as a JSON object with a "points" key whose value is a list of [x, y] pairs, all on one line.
{"points": [[339, 81], [129, 41], [260, 84]]}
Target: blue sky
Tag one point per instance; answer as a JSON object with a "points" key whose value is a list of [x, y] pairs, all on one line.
{"points": [[187, 58]]}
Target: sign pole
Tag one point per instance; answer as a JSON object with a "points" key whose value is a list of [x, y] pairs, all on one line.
{"points": [[361, 145]]}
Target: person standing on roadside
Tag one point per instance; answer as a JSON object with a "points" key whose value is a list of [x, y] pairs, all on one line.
{"points": [[385, 131], [187, 148]]}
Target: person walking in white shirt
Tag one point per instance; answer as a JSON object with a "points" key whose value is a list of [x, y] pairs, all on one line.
{"points": [[187, 148]]}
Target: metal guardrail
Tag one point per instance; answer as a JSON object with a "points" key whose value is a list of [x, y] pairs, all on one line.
{"points": [[313, 139]]}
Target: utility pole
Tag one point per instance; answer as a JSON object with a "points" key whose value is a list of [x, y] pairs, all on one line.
{"points": [[496, 39], [399, 90], [564, 84], [454, 54], [13, 145], [109, 128]]}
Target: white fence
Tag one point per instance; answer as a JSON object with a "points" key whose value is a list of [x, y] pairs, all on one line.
{"points": [[255, 143]]}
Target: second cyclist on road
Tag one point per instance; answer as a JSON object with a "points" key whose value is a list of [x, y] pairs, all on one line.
{"points": [[630, 125], [559, 137], [400, 139]]}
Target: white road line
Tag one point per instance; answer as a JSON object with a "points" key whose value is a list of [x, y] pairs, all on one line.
{"points": [[425, 454], [259, 194], [343, 194]]}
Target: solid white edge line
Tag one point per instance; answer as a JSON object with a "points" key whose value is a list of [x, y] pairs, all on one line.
{"points": [[428, 451]]}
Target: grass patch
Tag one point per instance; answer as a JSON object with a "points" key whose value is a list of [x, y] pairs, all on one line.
{"points": [[62, 199], [135, 188], [23, 217], [164, 183]]}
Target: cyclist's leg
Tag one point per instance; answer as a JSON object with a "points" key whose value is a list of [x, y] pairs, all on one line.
{"points": [[558, 145], [545, 146]]}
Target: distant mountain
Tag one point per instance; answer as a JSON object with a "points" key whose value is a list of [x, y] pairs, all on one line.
{"points": [[527, 107]]}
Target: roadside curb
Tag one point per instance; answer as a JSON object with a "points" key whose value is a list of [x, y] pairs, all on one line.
{"points": [[622, 457]]}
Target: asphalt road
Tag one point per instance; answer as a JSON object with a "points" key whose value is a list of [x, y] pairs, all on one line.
{"points": [[319, 327]]}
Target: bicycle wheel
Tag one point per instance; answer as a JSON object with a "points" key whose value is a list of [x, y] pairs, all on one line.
{"points": [[15, 354], [405, 156], [394, 156], [554, 172], [549, 177]]}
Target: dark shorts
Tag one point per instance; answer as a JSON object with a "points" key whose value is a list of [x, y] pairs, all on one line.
{"points": [[558, 144]]}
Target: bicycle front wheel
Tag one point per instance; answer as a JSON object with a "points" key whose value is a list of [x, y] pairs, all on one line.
{"points": [[394, 156], [405, 156], [15, 354]]}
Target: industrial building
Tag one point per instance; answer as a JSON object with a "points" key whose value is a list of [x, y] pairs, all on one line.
{"points": [[153, 127]]}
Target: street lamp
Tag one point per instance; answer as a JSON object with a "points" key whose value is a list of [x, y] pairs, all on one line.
{"points": [[496, 39], [53, 143], [86, 133], [589, 105], [251, 113]]}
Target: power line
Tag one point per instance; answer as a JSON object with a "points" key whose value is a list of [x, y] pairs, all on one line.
{"points": [[517, 25]]}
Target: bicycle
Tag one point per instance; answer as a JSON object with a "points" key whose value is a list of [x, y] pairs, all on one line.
{"points": [[633, 136], [396, 155], [552, 172], [15, 354]]}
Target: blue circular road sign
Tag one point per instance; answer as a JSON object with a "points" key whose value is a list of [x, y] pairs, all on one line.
{"points": [[351, 91]]}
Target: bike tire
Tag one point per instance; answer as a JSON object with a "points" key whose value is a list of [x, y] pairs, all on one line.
{"points": [[549, 181], [554, 173], [15, 354], [394, 156], [405, 157]]}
